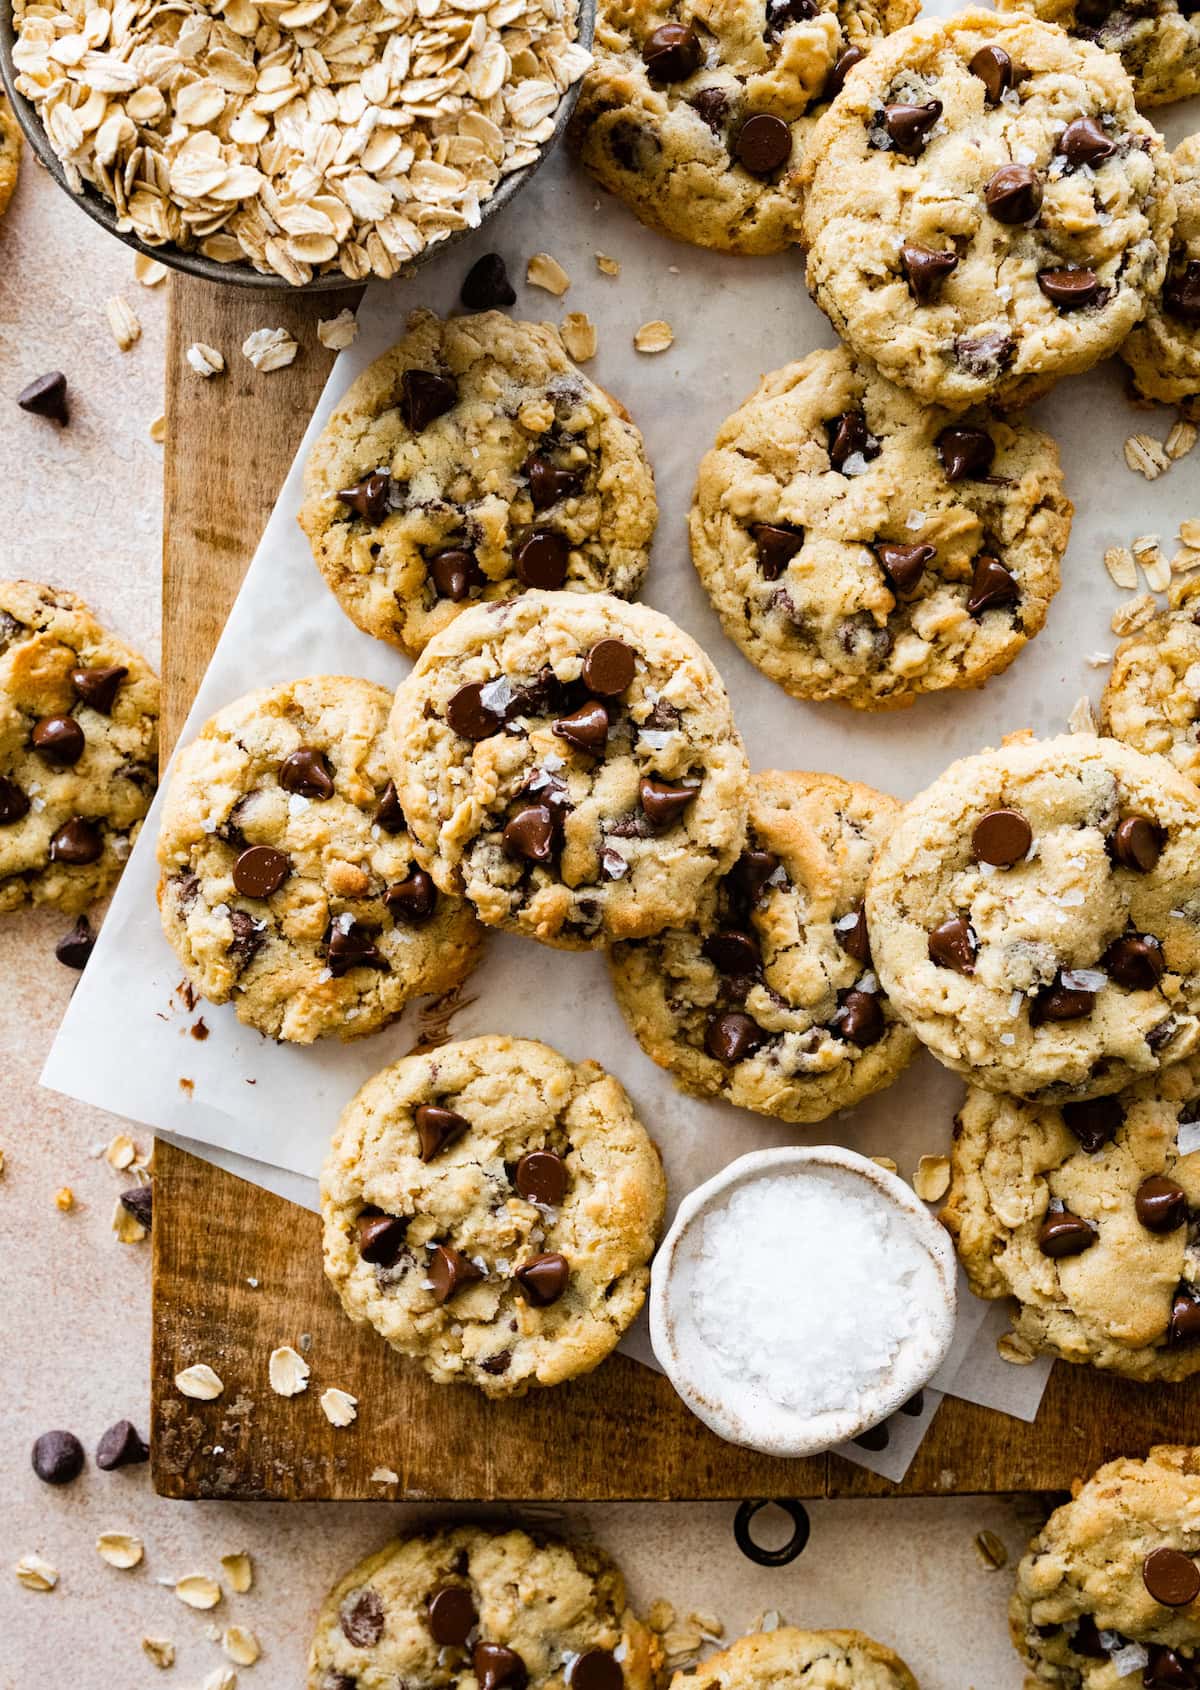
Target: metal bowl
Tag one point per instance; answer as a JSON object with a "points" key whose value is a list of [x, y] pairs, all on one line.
{"points": [[245, 275]]}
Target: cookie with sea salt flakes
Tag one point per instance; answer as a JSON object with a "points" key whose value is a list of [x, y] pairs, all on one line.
{"points": [[469, 463], [78, 749], [1163, 352], [569, 764], [490, 1209], [1108, 1592], [1084, 1214], [791, 1659], [985, 208], [288, 884], [861, 546], [767, 998], [1152, 700], [1158, 41], [1033, 917]]}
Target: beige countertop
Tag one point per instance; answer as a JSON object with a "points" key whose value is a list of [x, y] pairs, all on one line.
{"points": [[82, 509]]}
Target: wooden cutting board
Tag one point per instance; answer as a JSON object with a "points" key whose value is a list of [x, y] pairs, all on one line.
{"points": [[238, 1271]]}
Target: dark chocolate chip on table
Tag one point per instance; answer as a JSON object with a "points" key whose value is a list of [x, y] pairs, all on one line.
{"points": [[763, 144], [1064, 1234], [307, 773], [1171, 1577], [1070, 289], [904, 565], [994, 69], [46, 396], [58, 739], [121, 1446], [991, 586], [596, 1669], [1137, 843], [413, 899], [1001, 838], [544, 1278], [452, 1615], [776, 547], [965, 453], [424, 396], [139, 1201], [76, 843], [260, 871], [437, 1128], [469, 716], [75, 946], [486, 286], [671, 53], [1160, 1204], [608, 668], [926, 269], [498, 1668], [1013, 194], [541, 559], [368, 498], [952, 945], [541, 1177], [908, 125], [454, 572], [586, 728], [1094, 1122], [449, 1270], [380, 1237], [730, 1037], [57, 1458], [98, 687], [1083, 141], [662, 803]]}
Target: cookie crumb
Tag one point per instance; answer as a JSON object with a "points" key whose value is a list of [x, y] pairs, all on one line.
{"points": [[606, 265], [160, 1650], [157, 429], [547, 273], [384, 1476], [64, 1199], [655, 336], [122, 320], [1013, 1349], [270, 349], [126, 1227], [337, 333]]}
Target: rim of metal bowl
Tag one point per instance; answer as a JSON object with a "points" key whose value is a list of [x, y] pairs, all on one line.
{"points": [[243, 274]]}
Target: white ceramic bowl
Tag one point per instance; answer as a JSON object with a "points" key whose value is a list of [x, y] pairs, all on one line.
{"points": [[740, 1412]]}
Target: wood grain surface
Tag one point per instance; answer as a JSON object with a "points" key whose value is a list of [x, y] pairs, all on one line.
{"points": [[237, 1271]]}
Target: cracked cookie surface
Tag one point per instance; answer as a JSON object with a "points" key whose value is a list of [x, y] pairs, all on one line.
{"points": [[665, 113], [980, 232], [1158, 41], [570, 765], [1152, 700], [1163, 352], [791, 1659], [1087, 1612], [288, 881], [11, 143], [768, 997], [470, 462], [491, 1209], [1089, 1215], [861, 546], [1033, 916], [78, 749]]}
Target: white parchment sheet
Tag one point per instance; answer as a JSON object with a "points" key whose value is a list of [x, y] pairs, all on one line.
{"points": [[266, 1111]]}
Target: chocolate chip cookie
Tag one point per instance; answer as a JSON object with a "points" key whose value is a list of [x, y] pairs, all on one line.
{"points": [[985, 209], [791, 1659], [1152, 700], [491, 1209], [859, 545], [10, 154], [569, 764], [1106, 1594], [1088, 1214], [1033, 916], [469, 463], [288, 882], [78, 749], [768, 997], [695, 112], [1158, 41], [1163, 352]]}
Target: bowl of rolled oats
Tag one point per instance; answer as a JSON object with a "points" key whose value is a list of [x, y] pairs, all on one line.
{"points": [[293, 143]]}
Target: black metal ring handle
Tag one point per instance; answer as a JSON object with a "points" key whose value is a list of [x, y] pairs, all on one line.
{"points": [[786, 1552]]}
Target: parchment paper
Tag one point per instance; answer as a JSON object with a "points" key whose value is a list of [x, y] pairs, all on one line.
{"points": [[266, 1111]]}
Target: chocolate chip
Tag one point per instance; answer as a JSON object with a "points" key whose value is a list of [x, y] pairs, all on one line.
{"points": [[351, 946], [452, 1615], [1085, 142], [1137, 843], [731, 952], [672, 53], [750, 874], [586, 728], [1166, 1670], [361, 1618], [1181, 295], [548, 484], [713, 106], [1095, 1122], [541, 1177], [541, 559], [380, 1237], [77, 842], [498, 1668], [926, 269], [486, 285], [859, 1019], [843, 65], [1135, 961], [1085, 1639], [991, 586], [662, 803], [1060, 1003], [453, 573], [139, 1202], [908, 125], [260, 871], [608, 668], [1184, 1325], [530, 834], [731, 1037], [994, 69], [1001, 837], [1162, 1034], [874, 1438], [498, 1363], [782, 13], [389, 815], [763, 144], [13, 802], [904, 565], [965, 453], [915, 1405], [75, 947], [952, 945], [984, 354], [121, 1446], [1171, 1577], [58, 1458], [449, 1270], [307, 772], [1070, 289], [469, 716], [425, 396], [59, 739], [368, 498], [596, 1669], [849, 437], [98, 687], [1064, 1234], [437, 1128], [776, 547], [46, 396], [1161, 1205], [248, 938], [1013, 194], [544, 1278], [413, 899], [854, 939]]}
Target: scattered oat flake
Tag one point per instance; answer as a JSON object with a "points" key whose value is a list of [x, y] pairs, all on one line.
{"points": [[1082, 719], [579, 336], [288, 1371], [1097, 660], [1, 1161], [1134, 613], [931, 1180], [119, 1549], [241, 1646], [885, 1162], [337, 333], [1118, 560], [127, 1229], [1185, 560], [64, 1199], [707, 1623], [1146, 455], [205, 360], [339, 1407], [661, 1616], [197, 1590], [160, 1650], [606, 265], [1012, 1349], [547, 273], [122, 320], [770, 1621], [991, 1551], [654, 337], [148, 271], [681, 1640], [384, 1476], [220, 1678], [120, 1152], [1189, 532], [239, 1570], [270, 349], [1181, 439], [200, 1381], [35, 1573]]}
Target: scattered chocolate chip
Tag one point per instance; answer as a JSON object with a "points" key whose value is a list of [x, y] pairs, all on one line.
{"points": [[59, 739], [1070, 289], [57, 1458], [966, 453], [307, 772], [248, 938], [1001, 837], [596, 1669], [544, 1278], [1181, 294], [1162, 1034], [548, 484], [1013, 194], [139, 1201], [541, 1177], [452, 1615], [498, 1363], [77, 842], [776, 547], [854, 939], [46, 396], [731, 1037], [1171, 1577], [994, 69], [368, 498], [662, 803], [908, 125], [671, 53], [586, 728], [1137, 843], [849, 436], [260, 871], [380, 1237], [453, 573], [486, 286], [437, 1128], [1184, 1326], [1161, 1205], [413, 899], [1135, 961], [361, 1618], [843, 65], [763, 144], [991, 586], [1094, 1122], [541, 559], [915, 1405], [425, 396], [1060, 1003], [952, 945], [874, 1438], [748, 876], [13, 802], [121, 1446], [984, 354], [734, 953], [75, 947], [859, 1019], [1166, 1670], [351, 946], [389, 815], [469, 716], [1085, 142], [1085, 1639], [608, 668], [98, 687], [530, 834], [926, 269], [1064, 1234], [782, 13], [449, 1270], [904, 565], [498, 1668], [712, 104]]}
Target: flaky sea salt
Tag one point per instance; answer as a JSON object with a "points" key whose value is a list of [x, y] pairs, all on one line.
{"points": [[1188, 1138]]}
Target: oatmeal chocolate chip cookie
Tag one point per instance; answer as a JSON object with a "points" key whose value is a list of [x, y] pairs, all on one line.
{"points": [[1088, 1214], [288, 880], [695, 112], [1152, 700], [570, 765], [1163, 352], [469, 463], [1106, 1594], [78, 749], [858, 545], [1158, 41], [486, 1609], [1034, 912], [767, 997], [985, 208], [10, 153], [791, 1659], [491, 1209]]}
